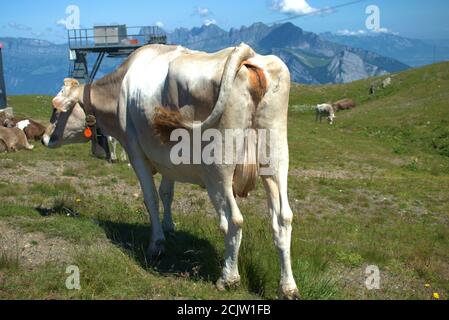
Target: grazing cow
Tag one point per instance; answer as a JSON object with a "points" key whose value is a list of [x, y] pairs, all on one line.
{"points": [[13, 139], [160, 89], [344, 104], [325, 110], [386, 83]]}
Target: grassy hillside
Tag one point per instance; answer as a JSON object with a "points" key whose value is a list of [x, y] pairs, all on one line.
{"points": [[371, 190]]}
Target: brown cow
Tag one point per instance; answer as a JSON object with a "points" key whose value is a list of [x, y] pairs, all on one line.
{"points": [[344, 104], [13, 139]]}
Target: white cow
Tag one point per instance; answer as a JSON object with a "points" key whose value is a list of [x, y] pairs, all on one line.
{"points": [[325, 110], [162, 88]]}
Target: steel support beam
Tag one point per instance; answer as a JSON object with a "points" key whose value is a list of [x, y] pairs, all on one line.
{"points": [[96, 66], [3, 101]]}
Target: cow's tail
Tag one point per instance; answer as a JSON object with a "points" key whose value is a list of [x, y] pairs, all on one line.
{"points": [[165, 120], [247, 171]]}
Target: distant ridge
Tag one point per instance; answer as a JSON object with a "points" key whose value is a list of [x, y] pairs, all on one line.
{"points": [[38, 67]]}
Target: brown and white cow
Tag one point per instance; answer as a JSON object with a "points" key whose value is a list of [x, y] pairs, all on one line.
{"points": [[161, 89], [32, 129]]}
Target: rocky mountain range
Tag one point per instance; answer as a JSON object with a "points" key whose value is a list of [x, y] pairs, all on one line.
{"points": [[38, 67], [413, 52], [311, 59]]}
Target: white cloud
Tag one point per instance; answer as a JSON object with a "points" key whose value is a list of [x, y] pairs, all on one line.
{"points": [[202, 12], [383, 30], [346, 32], [209, 22], [159, 24], [293, 6]]}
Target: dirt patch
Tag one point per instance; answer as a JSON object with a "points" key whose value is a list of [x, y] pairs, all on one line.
{"points": [[52, 172], [33, 249]]}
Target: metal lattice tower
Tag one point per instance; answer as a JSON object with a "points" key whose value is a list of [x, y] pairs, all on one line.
{"points": [[3, 101], [106, 41]]}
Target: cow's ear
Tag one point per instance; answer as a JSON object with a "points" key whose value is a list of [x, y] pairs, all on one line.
{"points": [[70, 82]]}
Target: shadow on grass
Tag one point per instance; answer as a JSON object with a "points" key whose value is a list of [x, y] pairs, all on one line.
{"points": [[58, 209], [186, 255]]}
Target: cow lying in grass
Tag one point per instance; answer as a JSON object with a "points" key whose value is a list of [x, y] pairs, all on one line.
{"points": [[344, 104], [325, 110], [33, 130], [13, 139]]}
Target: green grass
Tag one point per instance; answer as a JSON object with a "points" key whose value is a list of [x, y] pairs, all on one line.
{"points": [[9, 260], [371, 190]]}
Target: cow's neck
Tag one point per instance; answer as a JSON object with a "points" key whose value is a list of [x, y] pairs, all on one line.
{"points": [[104, 104]]}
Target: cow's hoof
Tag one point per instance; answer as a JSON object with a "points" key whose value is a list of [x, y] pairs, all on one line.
{"points": [[289, 294], [156, 250], [223, 285]]}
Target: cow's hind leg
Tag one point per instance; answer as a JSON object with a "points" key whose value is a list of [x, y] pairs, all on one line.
{"points": [[166, 191], [282, 217], [144, 172], [231, 222]]}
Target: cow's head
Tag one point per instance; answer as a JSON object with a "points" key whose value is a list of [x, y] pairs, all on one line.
{"points": [[68, 121]]}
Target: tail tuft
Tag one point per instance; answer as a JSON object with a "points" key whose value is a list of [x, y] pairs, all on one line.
{"points": [[166, 120], [245, 174]]}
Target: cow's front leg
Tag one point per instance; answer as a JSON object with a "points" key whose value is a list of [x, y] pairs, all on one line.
{"points": [[231, 222], [144, 172], [166, 191], [113, 144]]}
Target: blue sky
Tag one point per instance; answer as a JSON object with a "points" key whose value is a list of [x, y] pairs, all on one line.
{"points": [[38, 19]]}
